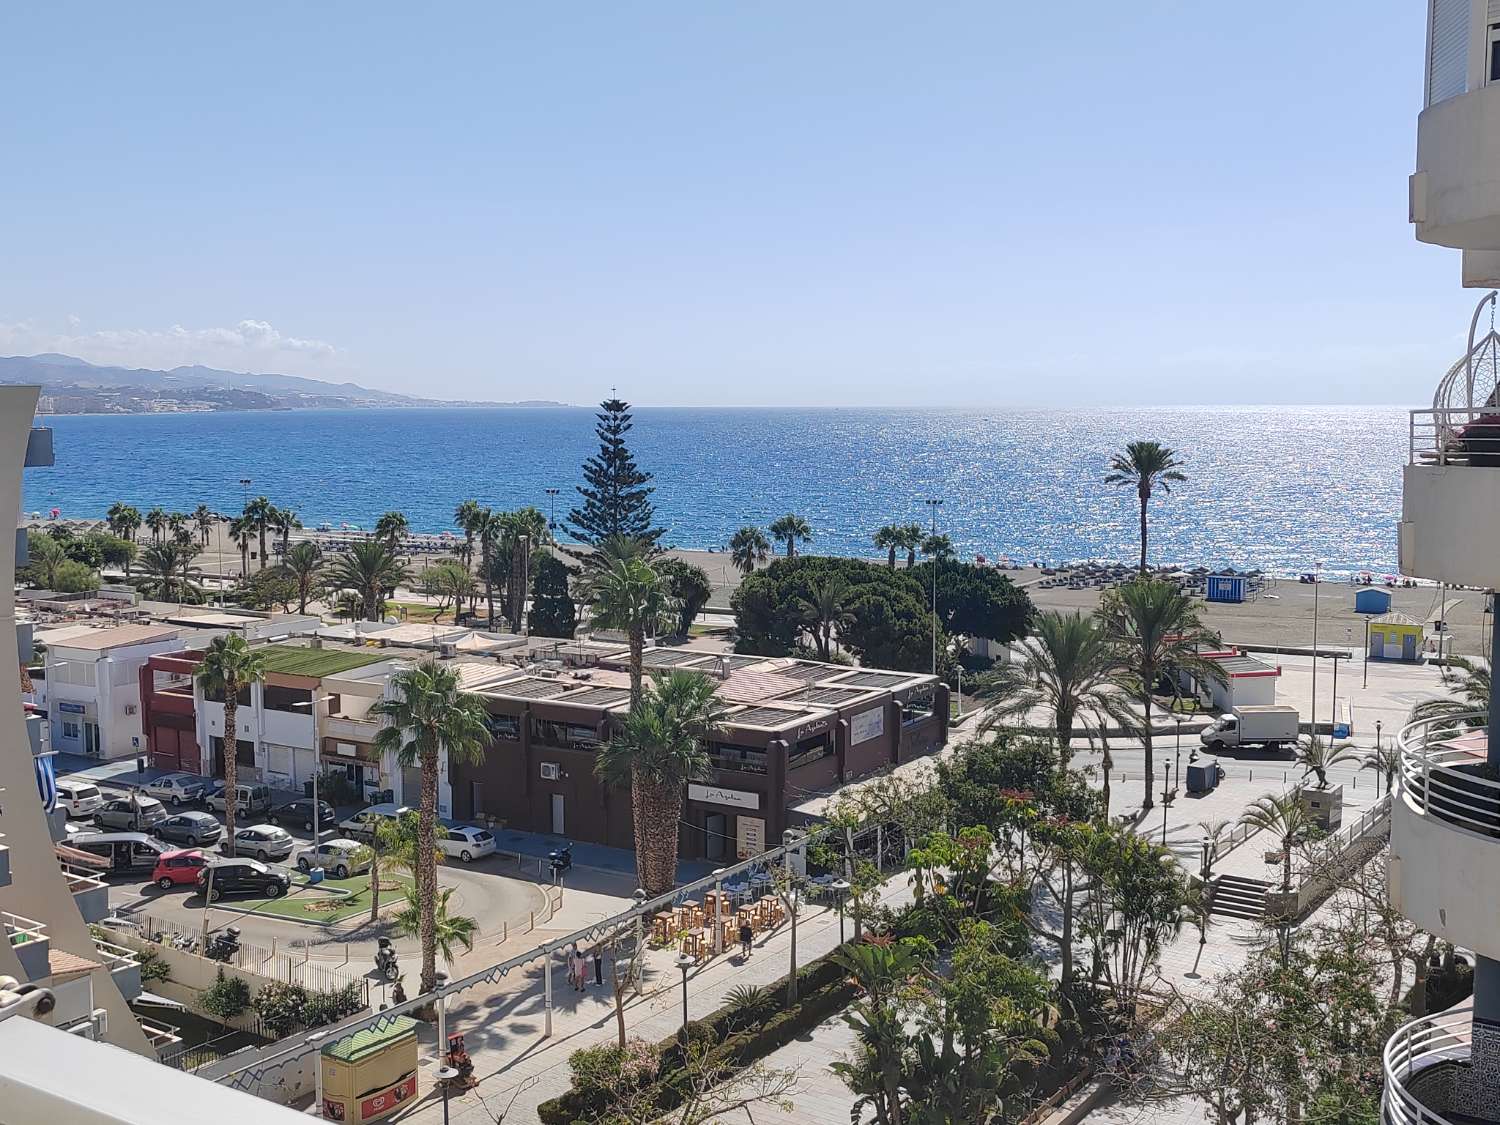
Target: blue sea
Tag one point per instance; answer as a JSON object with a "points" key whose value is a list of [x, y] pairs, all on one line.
{"points": [[1279, 488]]}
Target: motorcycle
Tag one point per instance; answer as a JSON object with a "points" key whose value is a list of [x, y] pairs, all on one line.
{"points": [[225, 945], [385, 960], [561, 858]]}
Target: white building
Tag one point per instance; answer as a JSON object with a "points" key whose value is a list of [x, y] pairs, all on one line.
{"points": [[93, 688]]}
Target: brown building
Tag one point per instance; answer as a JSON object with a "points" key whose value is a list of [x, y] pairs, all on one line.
{"points": [[794, 727]]}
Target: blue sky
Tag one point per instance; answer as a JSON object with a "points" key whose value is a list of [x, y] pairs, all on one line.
{"points": [[849, 203]]}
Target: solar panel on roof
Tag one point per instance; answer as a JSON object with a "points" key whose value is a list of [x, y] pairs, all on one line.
{"points": [[599, 697], [532, 688], [837, 696], [807, 671], [733, 663], [873, 680], [667, 658], [763, 717]]}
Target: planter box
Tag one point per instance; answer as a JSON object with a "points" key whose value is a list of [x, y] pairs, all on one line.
{"points": [[1325, 807]]}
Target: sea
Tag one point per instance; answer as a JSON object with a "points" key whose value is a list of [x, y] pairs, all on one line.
{"points": [[1280, 489]]}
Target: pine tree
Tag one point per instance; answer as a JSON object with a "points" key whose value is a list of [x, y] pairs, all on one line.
{"points": [[616, 493], [553, 613]]}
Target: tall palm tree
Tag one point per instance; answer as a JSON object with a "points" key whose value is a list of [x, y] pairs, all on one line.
{"points": [[749, 548], [489, 531], [448, 930], [825, 612], [229, 664], [305, 561], [632, 597], [657, 752], [156, 520], [1317, 755], [430, 714], [257, 515], [1284, 817], [937, 547], [887, 539], [166, 570], [370, 568], [242, 530], [1155, 629], [181, 533], [525, 532], [124, 520], [466, 516], [909, 537], [790, 528], [285, 521], [1385, 760], [1070, 670], [1472, 685], [1145, 466], [392, 527], [205, 518]]}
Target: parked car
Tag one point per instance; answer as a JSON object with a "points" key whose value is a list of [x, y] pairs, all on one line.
{"points": [[78, 798], [174, 869], [465, 841], [130, 814], [361, 826], [340, 858], [176, 788], [301, 812], [243, 877], [195, 829], [249, 799], [264, 841], [126, 851]]}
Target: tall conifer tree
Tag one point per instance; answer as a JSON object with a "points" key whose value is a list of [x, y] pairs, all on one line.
{"points": [[616, 492]]}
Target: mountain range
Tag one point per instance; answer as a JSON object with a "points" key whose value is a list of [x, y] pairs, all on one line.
{"points": [[75, 386]]}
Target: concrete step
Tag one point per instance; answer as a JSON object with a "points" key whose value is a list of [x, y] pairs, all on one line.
{"points": [[1238, 897]]}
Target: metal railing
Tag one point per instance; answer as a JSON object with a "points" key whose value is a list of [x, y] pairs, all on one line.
{"points": [[1419, 1044], [115, 956], [1432, 782], [1455, 436], [21, 929]]}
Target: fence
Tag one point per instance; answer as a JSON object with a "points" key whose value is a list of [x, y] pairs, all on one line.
{"points": [[1330, 859]]}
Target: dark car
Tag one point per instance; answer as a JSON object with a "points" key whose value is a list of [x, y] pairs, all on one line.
{"points": [[301, 813], [195, 829], [243, 877], [128, 815]]}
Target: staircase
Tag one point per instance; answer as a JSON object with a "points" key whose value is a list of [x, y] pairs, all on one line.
{"points": [[1237, 897]]}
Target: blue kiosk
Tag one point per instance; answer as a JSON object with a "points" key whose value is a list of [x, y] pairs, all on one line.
{"points": [[1226, 588]]}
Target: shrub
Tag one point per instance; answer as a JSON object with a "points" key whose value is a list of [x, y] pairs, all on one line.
{"points": [[322, 1008], [280, 1007], [153, 968], [226, 998]]}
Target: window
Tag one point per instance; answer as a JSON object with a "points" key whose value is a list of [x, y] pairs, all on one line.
{"points": [[70, 729], [917, 708], [507, 727], [810, 750], [1494, 62], [574, 736], [293, 701], [743, 759]]}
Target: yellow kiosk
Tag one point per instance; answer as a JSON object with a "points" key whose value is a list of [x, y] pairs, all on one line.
{"points": [[370, 1074]]}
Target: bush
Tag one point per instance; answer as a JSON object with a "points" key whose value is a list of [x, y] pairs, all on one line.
{"points": [[226, 998], [322, 1008], [153, 968], [280, 1007]]}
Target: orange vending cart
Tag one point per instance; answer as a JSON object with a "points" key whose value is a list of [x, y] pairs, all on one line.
{"points": [[370, 1074]]}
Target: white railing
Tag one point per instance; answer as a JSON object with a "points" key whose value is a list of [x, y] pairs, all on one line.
{"points": [[22, 929], [1455, 436], [115, 956], [1432, 750], [1422, 1043]]}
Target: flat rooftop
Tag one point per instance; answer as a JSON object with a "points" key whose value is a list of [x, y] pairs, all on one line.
{"points": [[118, 636], [294, 660]]}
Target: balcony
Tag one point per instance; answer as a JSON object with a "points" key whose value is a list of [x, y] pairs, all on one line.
{"points": [[1428, 1075], [1445, 833], [1452, 473], [23, 556], [39, 448], [350, 730], [90, 895], [1455, 190], [124, 967], [28, 938], [4, 863]]}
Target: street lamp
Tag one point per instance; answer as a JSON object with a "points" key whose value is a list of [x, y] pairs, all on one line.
{"points": [[1166, 780], [640, 897], [1179, 752], [684, 963], [552, 497], [934, 504], [445, 1075], [1317, 574], [840, 890]]}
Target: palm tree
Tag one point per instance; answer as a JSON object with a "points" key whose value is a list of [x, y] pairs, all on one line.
{"points": [[882, 970], [1145, 466], [466, 516], [1385, 760], [241, 530], [525, 531], [748, 548], [659, 750], [205, 518], [1284, 817], [166, 570], [937, 547], [791, 528], [909, 537], [489, 530], [392, 528], [182, 534], [1070, 669], [632, 597], [826, 611], [887, 539], [391, 845], [285, 521], [369, 568], [230, 664], [448, 930], [156, 520], [1317, 756], [305, 561], [124, 520], [1472, 685], [428, 715], [257, 516], [1156, 632]]}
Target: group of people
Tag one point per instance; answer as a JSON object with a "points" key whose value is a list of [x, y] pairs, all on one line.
{"points": [[585, 968]]}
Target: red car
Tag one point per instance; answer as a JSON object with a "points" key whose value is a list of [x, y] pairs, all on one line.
{"points": [[179, 868]]}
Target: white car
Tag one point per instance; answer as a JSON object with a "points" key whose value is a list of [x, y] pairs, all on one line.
{"points": [[264, 841], [176, 788], [79, 798], [465, 842], [340, 858]]}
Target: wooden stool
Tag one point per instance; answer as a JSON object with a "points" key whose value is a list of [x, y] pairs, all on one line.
{"points": [[662, 927]]}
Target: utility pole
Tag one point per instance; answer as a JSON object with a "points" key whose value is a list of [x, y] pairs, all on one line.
{"points": [[552, 520], [1317, 581]]}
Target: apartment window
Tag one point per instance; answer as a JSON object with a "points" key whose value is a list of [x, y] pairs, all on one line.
{"points": [[293, 701], [1493, 74], [70, 730]]}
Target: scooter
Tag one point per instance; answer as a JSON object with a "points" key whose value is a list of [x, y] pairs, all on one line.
{"points": [[225, 945], [561, 858], [385, 960]]}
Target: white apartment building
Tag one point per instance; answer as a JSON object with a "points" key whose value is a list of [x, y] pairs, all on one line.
{"points": [[92, 686]]}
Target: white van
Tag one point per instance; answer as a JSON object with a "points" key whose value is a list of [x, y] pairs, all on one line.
{"points": [[361, 826], [78, 798]]}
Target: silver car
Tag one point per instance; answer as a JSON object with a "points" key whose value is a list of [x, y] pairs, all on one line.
{"points": [[264, 841], [176, 788]]}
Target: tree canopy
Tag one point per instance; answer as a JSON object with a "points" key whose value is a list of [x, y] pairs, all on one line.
{"points": [[616, 491], [977, 601], [553, 612]]}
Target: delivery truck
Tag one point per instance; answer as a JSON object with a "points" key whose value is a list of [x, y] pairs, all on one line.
{"points": [[1254, 728]]}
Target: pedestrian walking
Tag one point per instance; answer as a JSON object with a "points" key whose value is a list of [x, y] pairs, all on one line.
{"points": [[570, 955], [746, 936], [598, 958], [580, 969]]}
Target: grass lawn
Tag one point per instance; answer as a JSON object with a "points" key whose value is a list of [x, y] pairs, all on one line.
{"points": [[310, 904], [417, 611]]}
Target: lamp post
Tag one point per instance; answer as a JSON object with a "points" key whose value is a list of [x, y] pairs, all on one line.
{"points": [[313, 1039], [1317, 574], [1366, 682], [933, 505], [1179, 752], [1166, 780], [552, 499], [635, 961], [840, 890], [684, 963], [444, 1076]]}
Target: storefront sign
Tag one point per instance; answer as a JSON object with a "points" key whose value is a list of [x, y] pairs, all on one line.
{"points": [[716, 796], [346, 749], [388, 1099], [70, 708], [807, 730], [867, 725], [749, 836]]}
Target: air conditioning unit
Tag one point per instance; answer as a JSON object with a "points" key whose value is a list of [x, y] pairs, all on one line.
{"points": [[551, 771]]}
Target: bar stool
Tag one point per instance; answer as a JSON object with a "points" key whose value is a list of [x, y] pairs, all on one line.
{"points": [[662, 926]]}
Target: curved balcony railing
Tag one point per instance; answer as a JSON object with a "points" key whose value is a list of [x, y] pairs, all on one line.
{"points": [[1419, 1045], [1441, 763]]}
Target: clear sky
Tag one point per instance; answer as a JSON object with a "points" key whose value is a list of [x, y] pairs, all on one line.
{"points": [[848, 203]]}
